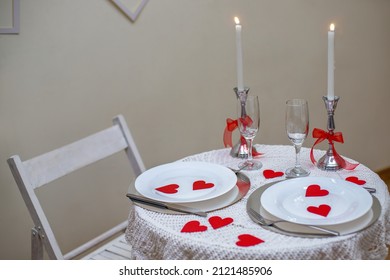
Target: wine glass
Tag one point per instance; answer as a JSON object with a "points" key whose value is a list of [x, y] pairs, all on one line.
{"points": [[297, 127], [248, 123]]}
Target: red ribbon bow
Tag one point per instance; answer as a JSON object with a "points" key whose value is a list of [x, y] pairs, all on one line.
{"points": [[232, 125], [321, 135]]}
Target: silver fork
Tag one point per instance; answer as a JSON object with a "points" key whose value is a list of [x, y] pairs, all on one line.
{"points": [[263, 222], [370, 190]]}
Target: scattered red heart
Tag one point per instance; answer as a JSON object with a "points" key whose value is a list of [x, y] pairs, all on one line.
{"points": [[201, 185], [171, 188], [246, 240], [355, 180], [193, 226], [218, 222], [269, 173], [315, 190], [322, 210]]}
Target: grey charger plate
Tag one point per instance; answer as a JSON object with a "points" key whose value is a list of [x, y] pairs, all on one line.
{"points": [[239, 191], [293, 229]]}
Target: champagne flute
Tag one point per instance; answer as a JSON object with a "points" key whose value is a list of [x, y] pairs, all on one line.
{"points": [[248, 123], [297, 127]]}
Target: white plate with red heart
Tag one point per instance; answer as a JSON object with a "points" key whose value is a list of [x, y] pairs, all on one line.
{"points": [[182, 182], [316, 201]]}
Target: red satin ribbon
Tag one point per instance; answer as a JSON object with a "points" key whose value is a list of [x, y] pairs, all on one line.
{"points": [[321, 135], [232, 125]]}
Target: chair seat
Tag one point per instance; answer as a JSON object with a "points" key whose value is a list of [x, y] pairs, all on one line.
{"points": [[116, 249]]}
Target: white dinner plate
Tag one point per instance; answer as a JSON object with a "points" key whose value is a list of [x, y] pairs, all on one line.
{"points": [[345, 201], [293, 229], [182, 182], [234, 195]]}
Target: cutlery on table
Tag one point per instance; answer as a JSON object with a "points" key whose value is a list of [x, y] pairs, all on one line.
{"points": [[370, 190], [260, 219], [238, 170], [164, 205]]}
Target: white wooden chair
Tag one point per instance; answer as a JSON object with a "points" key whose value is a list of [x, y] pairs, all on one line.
{"points": [[43, 169]]}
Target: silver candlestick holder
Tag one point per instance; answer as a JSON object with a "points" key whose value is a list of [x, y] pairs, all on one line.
{"points": [[328, 161], [240, 150]]}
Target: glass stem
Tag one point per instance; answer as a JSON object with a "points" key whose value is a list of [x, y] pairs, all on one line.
{"points": [[297, 153], [250, 144]]}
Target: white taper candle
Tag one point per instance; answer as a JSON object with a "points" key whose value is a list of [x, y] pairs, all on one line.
{"points": [[240, 75], [331, 62]]}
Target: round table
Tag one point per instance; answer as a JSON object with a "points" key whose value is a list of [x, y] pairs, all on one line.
{"points": [[154, 235]]}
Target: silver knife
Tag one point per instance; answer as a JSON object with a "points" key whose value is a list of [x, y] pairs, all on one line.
{"points": [[163, 205]]}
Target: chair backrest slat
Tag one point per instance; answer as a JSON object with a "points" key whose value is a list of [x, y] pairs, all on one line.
{"points": [[50, 166]]}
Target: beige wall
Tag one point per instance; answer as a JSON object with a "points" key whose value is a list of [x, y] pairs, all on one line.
{"points": [[76, 64]]}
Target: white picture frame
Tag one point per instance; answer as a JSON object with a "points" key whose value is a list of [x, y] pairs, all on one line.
{"points": [[131, 14], [14, 28]]}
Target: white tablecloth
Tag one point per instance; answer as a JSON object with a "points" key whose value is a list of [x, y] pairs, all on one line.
{"points": [[155, 235]]}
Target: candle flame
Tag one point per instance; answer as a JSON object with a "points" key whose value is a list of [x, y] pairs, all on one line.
{"points": [[331, 27], [236, 20]]}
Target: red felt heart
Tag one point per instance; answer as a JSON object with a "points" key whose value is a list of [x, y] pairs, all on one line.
{"points": [[193, 226], [268, 174], [355, 180], [171, 188], [315, 190], [246, 240], [218, 222], [201, 185], [322, 210]]}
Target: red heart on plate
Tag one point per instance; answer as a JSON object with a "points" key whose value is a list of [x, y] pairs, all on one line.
{"points": [[171, 188], [218, 222], [315, 190], [322, 210], [269, 173], [201, 185], [355, 180], [193, 226], [246, 240]]}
